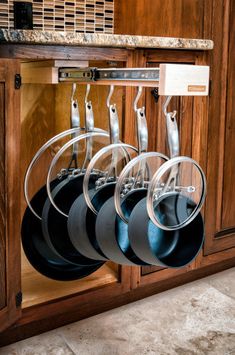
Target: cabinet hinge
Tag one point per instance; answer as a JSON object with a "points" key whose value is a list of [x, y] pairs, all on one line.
{"points": [[18, 81], [155, 94], [19, 297]]}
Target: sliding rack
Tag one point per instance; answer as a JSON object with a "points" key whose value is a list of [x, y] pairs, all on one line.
{"points": [[118, 76], [172, 79]]}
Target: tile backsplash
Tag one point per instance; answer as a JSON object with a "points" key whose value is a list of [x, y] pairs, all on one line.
{"points": [[58, 15]]}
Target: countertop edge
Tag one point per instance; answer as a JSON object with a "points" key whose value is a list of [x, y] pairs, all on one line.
{"points": [[35, 37]]}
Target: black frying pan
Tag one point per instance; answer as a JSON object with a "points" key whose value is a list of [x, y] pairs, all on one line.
{"points": [[81, 222], [41, 257], [82, 216], [57, 206], [54, 224], [112, 231]]}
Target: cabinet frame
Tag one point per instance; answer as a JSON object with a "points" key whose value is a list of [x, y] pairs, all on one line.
{"points": [[11, 204], [132, 285]]}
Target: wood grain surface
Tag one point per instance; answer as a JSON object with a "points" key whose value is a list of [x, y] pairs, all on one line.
{"points": [[2, 199], [170, 18]]}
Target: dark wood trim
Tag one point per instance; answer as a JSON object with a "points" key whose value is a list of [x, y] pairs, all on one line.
{"points": [[28, 51], [160, 55]]}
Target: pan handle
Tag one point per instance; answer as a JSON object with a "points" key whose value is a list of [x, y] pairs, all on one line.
{"points": [[75, 123], [173, 143], [114, 139], [142, 136], [125, 177], [98, 133], [89, 125], [112, 147], [114, 132]]}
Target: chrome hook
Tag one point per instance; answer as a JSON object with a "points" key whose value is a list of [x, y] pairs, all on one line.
{"points": [[111, 89], [166, 103], [139, 93], [74, 88], [88, 88]]}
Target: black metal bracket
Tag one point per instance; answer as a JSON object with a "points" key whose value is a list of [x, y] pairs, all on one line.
{"points": [[19, 297], [155, 94], [18, 81]]}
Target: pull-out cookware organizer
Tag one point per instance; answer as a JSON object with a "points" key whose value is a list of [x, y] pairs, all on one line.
{"points": [[142, 208]]}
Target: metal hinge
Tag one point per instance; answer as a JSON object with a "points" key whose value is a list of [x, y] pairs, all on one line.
{"points": [[155, 94], [19, 297], [18, 81]]}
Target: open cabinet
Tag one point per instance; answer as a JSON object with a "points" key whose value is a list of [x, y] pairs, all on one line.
{"points": [[45, 112], [38, 111], [31, 303]]}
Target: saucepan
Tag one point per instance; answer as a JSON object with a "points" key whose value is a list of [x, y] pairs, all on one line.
{"points": [[166, 228]]}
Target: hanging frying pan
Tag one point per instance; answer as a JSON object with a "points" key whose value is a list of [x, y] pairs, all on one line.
{"points": [[82, 215], [111, 230], [40, 256], [36, 250], [60, 199], [169, 247]]}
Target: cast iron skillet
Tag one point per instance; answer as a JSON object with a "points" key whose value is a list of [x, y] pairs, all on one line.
{"points": [[41, 257], [159, 247]]}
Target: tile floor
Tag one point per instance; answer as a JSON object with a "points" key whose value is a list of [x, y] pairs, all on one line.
{"points": [[194, 319]]}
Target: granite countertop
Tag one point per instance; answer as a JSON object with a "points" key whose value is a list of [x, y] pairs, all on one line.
{"points": [[100, 40]]}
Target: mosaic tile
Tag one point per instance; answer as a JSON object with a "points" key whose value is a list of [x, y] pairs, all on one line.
{"points": [[72, 15]]}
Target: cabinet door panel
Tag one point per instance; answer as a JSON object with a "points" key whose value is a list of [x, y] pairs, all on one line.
{"points": [[220, 204], [181, 18], [2, 201], [10, 275], [228, 203]]}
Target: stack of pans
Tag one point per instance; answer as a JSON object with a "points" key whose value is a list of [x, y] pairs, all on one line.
{"points": [[122, 203]]}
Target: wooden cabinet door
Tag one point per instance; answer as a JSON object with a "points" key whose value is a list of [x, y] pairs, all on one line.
{"points": [[220, 203], [10, 295]]}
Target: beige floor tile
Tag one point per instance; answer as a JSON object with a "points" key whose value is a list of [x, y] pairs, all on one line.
{"points": [[194, 319], [225, 283]]}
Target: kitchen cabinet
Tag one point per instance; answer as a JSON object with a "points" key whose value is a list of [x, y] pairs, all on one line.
{"points": [[220, 206], [10, 278], [47, 304]]}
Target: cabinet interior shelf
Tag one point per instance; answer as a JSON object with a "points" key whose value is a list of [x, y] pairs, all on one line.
{"points": [[38, 289]]}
